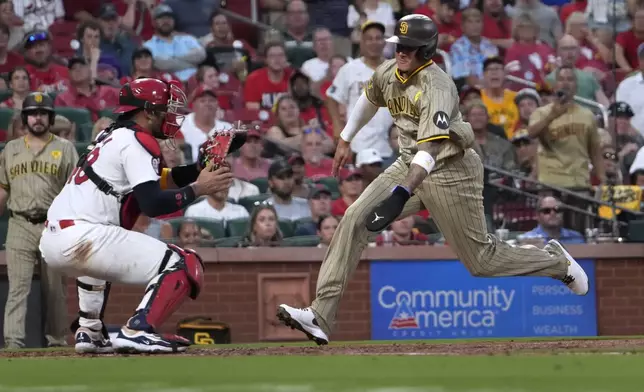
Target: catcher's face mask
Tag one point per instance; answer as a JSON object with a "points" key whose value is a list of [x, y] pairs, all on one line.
{"points": [[174, 112]]}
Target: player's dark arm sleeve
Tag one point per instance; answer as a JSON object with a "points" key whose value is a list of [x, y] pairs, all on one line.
{"points": [[184, 175], [155, 202]]}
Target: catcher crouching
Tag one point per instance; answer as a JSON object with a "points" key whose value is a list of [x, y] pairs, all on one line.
{"points": [[88, 230]]}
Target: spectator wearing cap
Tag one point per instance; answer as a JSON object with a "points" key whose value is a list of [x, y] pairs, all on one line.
{"points": [[497, 152], [89, 34], [83, 93], [627, 140], [303, 185], [39, 14], [470, 51], [497, 25], [469, 94], [550, 28], [629, 91], [320, 205], [326, 227], [13, 22], [527, 57], [448, 21], [312, 109], [588, 87], [202, 122], [46, 76], [628, 47], [370, 164], [351, 187], [115, 41], [401, 232], [8, 58], [526, 152], [527, 100], [498, 100], [316, 68], [298, 39], [348, 86], [281, 183], [193, 17], [250, 165], [551, 224], [143, 67], [19, 85], [612, 166], [216, 207], [173, 52], [264, 86], [316, 165]]}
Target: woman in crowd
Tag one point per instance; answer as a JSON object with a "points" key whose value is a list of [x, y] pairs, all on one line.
{"points": [[188, 234], [592, 49], [263, 229], [326, 228], [528, 58], [19, 84]]}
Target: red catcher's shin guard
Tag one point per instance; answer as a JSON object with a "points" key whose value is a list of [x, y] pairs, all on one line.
{"points": [[175, 284]]}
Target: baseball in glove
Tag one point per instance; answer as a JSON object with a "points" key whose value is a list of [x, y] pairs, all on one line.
{"points": [[218, 146]]}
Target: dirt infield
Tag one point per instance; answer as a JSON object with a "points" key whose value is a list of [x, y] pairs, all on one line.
{"points": [[505, 347]]}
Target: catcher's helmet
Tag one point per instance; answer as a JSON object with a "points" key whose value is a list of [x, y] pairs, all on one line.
{"points": [[38, 102], [155, 95], [417, 31]]}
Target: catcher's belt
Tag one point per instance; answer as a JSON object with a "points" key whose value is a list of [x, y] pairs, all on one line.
{"points": [[202, 330]]}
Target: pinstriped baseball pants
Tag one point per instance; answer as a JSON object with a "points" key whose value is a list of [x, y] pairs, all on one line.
{"points": [[453, 195]]}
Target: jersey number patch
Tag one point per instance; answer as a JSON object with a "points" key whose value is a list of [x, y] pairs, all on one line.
{"points": [[78, 175]]}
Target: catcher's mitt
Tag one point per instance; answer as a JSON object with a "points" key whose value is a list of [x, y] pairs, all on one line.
{"points": [[216, 148]]}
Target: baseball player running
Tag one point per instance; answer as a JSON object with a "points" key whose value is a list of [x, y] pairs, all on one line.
{"points": [[87, 232], [33, 170], [437, 169]]}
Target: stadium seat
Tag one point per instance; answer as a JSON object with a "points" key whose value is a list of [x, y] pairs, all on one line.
{"points": [[261, 183], [228, 242], [214, 227], [287, 227], [251, 201], [4, 95], [331, 183], [237, 227], [83, 120], [6, 114], [302, 241], [303, 222]]}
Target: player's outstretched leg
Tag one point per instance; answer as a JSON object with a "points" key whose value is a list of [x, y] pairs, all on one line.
{"points": [[89, 330], [454, 196], [180, 278], [342, 257]]}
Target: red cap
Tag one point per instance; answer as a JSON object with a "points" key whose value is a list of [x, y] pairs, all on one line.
{"points": [[254, 133], [345, 174], [200, 91]]}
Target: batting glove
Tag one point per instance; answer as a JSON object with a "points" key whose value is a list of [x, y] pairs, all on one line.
{"points": [[388, 210]]}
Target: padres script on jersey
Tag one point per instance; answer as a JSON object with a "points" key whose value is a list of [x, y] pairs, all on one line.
{"points": [[121, 161], [34, 180], [425, 107]]}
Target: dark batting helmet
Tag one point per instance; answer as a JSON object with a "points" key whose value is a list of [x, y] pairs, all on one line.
{"points": [[417, 31], [158, 96], [36, 102]]}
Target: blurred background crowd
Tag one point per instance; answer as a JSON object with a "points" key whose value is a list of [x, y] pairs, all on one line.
{"points": [[291, 71]]}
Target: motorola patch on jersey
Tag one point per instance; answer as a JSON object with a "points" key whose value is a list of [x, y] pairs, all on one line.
{"points": [[441, 120], [156, 162]]}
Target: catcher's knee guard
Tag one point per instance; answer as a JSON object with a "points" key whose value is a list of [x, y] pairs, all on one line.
{"points": [[92, 300], [180, 277]]}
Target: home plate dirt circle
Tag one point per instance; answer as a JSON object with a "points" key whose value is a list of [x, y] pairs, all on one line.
{"points": [[504, 347]]}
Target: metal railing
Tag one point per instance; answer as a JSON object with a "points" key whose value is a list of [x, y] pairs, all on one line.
{"points": [[446, 60], [588, 102]]}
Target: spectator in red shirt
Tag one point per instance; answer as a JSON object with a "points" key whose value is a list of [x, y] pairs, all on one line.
{"points": [[335, 64], [136, 16], [448, 21], [497, 26], [250, 165], [351, 186], [528, 58], [143, 67], [83, 93], [264, 86], [46, 76], [402, 233], [208, 76], [8, 59], [312, 109], [593, 53], [20, 88], [316, 165], [628, 42]]}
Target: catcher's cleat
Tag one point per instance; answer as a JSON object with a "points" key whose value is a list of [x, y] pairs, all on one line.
{"points": [[303, 320], [130, 341], [92, 342]]}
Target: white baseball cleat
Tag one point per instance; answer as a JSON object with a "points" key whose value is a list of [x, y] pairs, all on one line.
{"points": [[130, 341], [576, 278], [92, 342], [302, 320]]}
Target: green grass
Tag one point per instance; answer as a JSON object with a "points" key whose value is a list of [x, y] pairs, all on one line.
{"points": [[569, 373]]}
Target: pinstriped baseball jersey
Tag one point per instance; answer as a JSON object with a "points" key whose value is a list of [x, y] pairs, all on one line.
{"points": [[425, 107], [33, 179]]}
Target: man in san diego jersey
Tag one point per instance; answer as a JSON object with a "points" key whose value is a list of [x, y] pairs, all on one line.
{"points": [[87, 233]]}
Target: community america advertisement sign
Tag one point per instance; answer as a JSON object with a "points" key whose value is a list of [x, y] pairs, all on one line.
{"points": [[441, 300]]}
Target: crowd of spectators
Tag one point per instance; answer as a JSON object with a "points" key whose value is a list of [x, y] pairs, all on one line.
{"points": [[294, 86]]}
